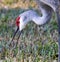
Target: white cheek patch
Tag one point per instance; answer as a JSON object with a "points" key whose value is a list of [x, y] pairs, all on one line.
{"points": [[21, 25]]}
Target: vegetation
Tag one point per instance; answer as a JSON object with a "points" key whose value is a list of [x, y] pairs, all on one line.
{"points": [[36, 43]]}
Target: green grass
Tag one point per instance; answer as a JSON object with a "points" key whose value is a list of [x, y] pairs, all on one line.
{"points": [[37, 44]]}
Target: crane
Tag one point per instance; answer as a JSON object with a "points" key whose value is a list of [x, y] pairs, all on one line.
{"points": [[46, 7]]}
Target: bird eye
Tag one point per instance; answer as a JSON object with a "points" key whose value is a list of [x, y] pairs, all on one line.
{"points": [[17, 21]]}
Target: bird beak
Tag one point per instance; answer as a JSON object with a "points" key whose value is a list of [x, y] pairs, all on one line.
{"points": [[15, 34], [12, 43]]}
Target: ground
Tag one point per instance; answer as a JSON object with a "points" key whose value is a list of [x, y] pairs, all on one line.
{"points": [[36, 43]]}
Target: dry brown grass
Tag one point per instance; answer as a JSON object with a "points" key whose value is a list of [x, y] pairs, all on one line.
{"points": [[20, 3]]}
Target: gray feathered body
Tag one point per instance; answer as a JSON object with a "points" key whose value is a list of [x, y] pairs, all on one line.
{"points": [[54, 4]]}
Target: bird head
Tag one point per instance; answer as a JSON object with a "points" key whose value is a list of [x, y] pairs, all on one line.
{"points": [[18, 21], [21, 22]]}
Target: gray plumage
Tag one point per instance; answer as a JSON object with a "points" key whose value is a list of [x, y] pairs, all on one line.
{"points": [[46, 7], [54, 4]]}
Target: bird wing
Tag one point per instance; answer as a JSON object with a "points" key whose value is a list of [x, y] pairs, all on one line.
{"points": [[52, 3]]}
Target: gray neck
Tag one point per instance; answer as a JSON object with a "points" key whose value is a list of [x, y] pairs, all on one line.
{"points": [[46, 16], [31, 15]]}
